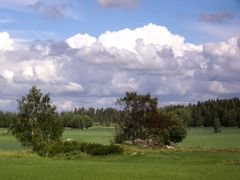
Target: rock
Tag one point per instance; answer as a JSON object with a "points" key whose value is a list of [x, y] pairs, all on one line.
{"points": [[128, 142], [170, 147], [139, 141]]}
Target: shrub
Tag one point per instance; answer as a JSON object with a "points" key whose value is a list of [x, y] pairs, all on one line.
{"points": [[100, 150], [113, 149], [177, 130], [68, 148]]}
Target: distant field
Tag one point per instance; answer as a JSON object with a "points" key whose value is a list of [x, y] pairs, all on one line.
{"points": [[101, 135], [8, 142], [220, 160], [205, 137]]}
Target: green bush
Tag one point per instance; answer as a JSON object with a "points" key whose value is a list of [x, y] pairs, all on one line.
{"points": [[177, 129], [113, 149], [100, 150], [68, 148]]}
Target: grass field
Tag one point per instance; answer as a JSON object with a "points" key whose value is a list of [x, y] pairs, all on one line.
{"points": [[202, 155]]}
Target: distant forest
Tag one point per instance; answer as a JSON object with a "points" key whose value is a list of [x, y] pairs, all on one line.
{"points": [[203, 113]]}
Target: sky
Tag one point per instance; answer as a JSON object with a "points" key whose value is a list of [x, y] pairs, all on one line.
{"points": [[90, 52]]}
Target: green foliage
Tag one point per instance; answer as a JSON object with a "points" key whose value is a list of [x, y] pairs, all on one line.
{"points": [[7, 118], [177, 129], [58, 148], [137, 113], [37, 123], [204, 113], [103, 116], [142, 120], [226, 110], [100, 150], [73, 120], [64, 148], [217, 125]]}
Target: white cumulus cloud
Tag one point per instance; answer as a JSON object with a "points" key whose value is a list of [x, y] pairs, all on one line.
{"points": [[95, 71], [6, 43], [80, 40]]}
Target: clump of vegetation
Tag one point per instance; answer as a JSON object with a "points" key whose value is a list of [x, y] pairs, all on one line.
{"points": [[37, 123], [99, 149], [68, 148], [217, 125], [142, 120]]}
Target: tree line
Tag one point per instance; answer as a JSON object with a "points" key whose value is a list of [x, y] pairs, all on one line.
{"points": [[203, 113], [225, 112]]}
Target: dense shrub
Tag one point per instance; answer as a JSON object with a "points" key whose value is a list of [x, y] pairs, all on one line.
{"points": [[177, 130], [100, 150], [64, 148]]}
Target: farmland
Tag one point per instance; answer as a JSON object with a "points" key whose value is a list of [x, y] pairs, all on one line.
{"points": [[201, 155]]}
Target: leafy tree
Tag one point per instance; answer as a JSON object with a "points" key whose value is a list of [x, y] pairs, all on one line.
{"points": [[137, 109], [37, 123], [141, 119]]}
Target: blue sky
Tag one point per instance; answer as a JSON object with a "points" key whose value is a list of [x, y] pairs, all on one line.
{"points": [[80, 16], [90, 52]]}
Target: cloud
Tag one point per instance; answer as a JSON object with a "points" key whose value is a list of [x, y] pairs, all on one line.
{"points": [[6, 43], [5, 21], [4, 103], [8, 75], [216, 17], [80, 40], [46, 71], [95, 71], [49, 10], [122, 82], [72, 86], [117, 3], [66, 105], [130, 40]]}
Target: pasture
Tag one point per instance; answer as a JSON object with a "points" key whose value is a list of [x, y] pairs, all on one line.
{"points": [[202, 155]]}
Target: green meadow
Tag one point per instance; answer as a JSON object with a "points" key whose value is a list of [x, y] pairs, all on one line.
{"points": [[202, 155]]}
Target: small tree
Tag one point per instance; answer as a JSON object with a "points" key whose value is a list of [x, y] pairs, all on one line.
{"points": [[137, 112], [37, 122], [141, 119], [216, 125]]}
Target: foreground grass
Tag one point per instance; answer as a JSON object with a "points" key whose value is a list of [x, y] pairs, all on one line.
{"points": [[150, 165]]}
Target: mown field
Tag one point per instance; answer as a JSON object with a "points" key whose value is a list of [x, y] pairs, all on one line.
{"points": [[202, 155]]}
